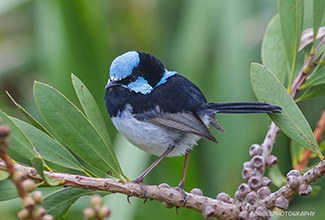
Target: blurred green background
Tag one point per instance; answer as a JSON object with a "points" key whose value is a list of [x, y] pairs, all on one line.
{"points": [[211, 42]]}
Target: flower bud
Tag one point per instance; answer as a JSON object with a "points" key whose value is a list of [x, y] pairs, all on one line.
{"points": [[282, 203], [23, 214], [39, 213], [305, 189], [96, 200], [254, 183], [38, 197], [255, 149], [197, 191], [48, 217], [29, 185], [28, 203], [264, 191], [164, 185], [223, 197], [271, 160], [17, 176], [89, 213], [208, 212], [4, 131], [104, 212], [243, 215]]}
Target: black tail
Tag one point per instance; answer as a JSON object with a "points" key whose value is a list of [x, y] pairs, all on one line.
{"points": [[238, 108]]}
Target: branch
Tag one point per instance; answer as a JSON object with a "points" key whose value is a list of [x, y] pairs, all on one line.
{"points": [[168, 194]]}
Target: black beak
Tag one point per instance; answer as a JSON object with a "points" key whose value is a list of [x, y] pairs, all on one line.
{"points": [[112, 83]]}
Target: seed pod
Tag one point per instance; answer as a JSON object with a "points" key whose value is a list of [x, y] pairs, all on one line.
{"points": [[248, 164], [254, 183], [23, 214], [264, 191], [238, 196], [208, 212], [271, 160], [4, 131], [223, 197], [168, 205], [292, 182], [96, 200], [251, 197], [262, 212], [282, 203], [48, 217], [243, 215], [258, 161], [265, 181], [38, 197], [293, 173], [164, 185], [104, 212], [28, 203], [243, 189], [252, 216], [305, 189], [197, 191], [39, 212], [29, 185], [89, 213], [247, 173], [255, 149]]}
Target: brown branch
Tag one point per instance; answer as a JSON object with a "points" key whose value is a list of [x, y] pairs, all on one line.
{"points": [[167, 194]]}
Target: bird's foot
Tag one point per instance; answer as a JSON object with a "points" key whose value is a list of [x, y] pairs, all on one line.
{"points": [[140, 182], [180, 188]]}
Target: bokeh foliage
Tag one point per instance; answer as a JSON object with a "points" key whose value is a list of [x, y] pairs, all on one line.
{"points": [[211, 42]]}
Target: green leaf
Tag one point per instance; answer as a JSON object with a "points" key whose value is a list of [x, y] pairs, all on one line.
{"points": [[312, 92], [318, 13], [19, 143], [291, 121], [273, 49], [37, 163], [315, 79], [276, 176], [296, 153], [291, 19], [8, 190], [59, 202], [48, 148], [3, 175], [71, 125], [29, 117], [92, 112]]}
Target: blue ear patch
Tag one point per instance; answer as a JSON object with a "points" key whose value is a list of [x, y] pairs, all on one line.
{"points": [[123, 65], [165, 77], [140, 85]]}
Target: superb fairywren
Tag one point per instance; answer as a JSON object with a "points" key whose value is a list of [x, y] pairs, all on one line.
{"points": [[161, 112]]}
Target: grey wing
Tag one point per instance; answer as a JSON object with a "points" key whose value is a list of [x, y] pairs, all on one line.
{"points": [[185, 122]]}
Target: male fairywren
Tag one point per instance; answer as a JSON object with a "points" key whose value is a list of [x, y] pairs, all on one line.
{"points": [[161, 112]]}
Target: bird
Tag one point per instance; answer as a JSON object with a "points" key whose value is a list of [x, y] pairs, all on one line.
{"points": [[162, 112]]}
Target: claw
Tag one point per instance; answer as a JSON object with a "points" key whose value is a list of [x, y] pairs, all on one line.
{"points": [[182, 191], [140, 182]]}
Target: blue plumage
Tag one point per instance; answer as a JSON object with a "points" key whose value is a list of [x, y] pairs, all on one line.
{"points": [[162, 112]]}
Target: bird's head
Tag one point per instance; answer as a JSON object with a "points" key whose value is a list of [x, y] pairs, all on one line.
{"points": [[137, 71]]}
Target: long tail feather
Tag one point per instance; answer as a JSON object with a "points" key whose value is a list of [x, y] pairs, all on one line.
{"points": [[238, 108]]}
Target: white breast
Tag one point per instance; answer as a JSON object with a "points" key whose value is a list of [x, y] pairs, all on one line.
{"points": [[152, 138]]}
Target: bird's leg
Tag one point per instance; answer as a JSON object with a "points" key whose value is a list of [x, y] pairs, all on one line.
{"points": [[181, 184], [139, 180]]}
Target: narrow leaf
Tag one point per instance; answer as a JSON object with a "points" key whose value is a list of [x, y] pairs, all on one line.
{"points": [[291, 19], [48, 148], [92, 112], [3, 175], [8, 190], [277, 177], [19, 143], [291, 121], [312, 92], [37, 163], [296, 153], [318, 13], [59, 202], [273, 49], [315, 79], [71, 125]]}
